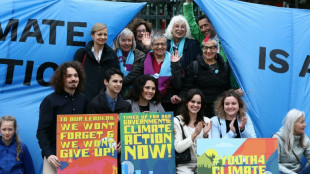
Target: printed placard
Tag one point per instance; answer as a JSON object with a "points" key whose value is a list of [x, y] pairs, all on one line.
{"points": [[147, 143], [237, 155], [87, 143]]}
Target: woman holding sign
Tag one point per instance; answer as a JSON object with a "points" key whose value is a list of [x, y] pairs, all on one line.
{"points": [[293, 143], [144, 95], [14, 155], [231, 121], [189, 126]]}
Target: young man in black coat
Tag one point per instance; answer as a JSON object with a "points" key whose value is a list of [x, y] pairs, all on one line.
{"points": [[68, 82], [110, 101]]}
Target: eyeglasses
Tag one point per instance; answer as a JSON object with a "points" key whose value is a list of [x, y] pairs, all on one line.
{"points": [[141, 31], [159, 44], [212, 48]]}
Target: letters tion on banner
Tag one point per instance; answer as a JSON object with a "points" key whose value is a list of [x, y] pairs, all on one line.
{"points": [[147, 143], [87, 143]]}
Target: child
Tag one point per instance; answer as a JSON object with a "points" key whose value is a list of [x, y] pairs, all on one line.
{"points": [[15, 157]]}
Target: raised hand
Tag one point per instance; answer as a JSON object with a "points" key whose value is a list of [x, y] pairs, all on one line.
{"points": [[189, 1], [231, 125], [243, 123], [239, 91], [207, 128], [175, 99], [174, 56], [146, 39], [197, 131]]}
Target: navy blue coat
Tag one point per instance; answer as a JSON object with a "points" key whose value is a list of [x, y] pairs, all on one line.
{"points": [[190, 52], [8, 162]]}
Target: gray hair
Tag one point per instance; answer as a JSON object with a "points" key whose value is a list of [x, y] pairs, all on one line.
{"points": [[216, 41], [156, 36], [287, 129], [175, 19], [126, 32]]}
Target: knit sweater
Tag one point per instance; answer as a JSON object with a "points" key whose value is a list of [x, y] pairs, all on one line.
{"points": [[288, 163]]}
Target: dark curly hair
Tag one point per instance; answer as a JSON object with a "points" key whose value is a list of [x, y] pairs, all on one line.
{"points": [[57, 80], [137, 89], [137, 22], [219, 104], [184, 110]]}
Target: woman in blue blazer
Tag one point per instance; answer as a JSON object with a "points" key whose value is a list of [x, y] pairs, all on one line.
{"points": [[231, 121]]}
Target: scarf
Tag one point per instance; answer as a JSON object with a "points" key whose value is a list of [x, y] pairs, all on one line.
{"points": [[180, 48], [165, 71], [129, 61]]}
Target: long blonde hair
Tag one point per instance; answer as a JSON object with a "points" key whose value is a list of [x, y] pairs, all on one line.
{"points": [[287, 130], [19, 146]]}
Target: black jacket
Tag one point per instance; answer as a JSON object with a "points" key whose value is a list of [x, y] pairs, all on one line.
{"points": [[95, 71], [137, 68], [211, 84], [99, 105], [50, 107], [190, 52]]}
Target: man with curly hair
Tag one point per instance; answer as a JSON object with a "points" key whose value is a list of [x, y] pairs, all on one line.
{"points": [[67, 98]]}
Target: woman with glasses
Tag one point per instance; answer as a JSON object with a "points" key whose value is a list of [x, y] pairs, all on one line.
{"points": [[209, 73], [142, 31], [164, 67], [179, 38]]}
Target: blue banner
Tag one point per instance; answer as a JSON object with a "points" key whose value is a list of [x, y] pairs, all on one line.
{"points": [[268, 49], [35, 37]]}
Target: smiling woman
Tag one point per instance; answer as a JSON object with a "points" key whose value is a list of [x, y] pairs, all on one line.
{"points": [[293, 143], [189, 126], [231, 121], [96, 58], [165, 67], [144, 95], [130, 59], [179, 38]]}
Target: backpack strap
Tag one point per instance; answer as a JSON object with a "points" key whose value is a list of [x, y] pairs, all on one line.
{"points": [[195, 68]]}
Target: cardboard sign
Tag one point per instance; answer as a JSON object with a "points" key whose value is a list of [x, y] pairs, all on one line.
{"points": [[87, 143], [237, 155], [147, 143]]}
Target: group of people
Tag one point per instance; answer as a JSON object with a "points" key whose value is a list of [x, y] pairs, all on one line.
{"points": [[184, 70]]}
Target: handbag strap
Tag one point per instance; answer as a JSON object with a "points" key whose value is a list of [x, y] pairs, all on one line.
{"points": [[220, 127], [183, 135], [83, 61], [302, 166]]}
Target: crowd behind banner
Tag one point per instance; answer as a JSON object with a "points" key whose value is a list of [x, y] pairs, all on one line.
{"points": [[183, 70]]}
